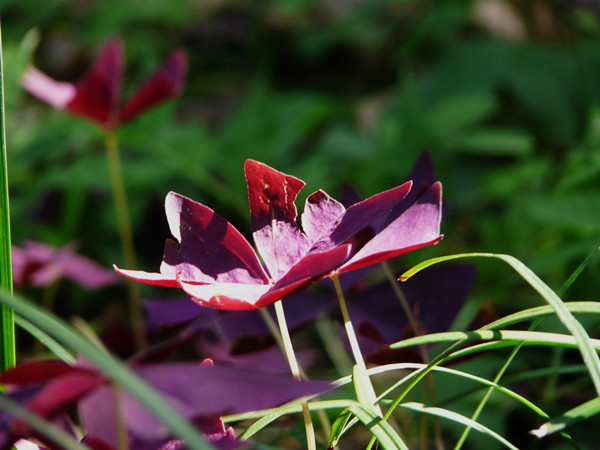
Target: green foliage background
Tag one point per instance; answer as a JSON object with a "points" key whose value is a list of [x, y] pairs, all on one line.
{"points": [[331, 92]]}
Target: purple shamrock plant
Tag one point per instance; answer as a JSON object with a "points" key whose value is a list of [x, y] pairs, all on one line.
{"points": [[96, 96], [213, 263]]}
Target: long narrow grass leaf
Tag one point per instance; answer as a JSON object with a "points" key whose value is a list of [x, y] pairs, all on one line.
{"points": [[381, 430], [48, 341], [528, 338], [7, 325], [69, 337], [542, 311], [455, 417], [567, 284], [577, 414], [590, 357], [47, 429]]}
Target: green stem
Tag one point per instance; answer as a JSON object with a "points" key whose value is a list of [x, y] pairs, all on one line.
{"points": [[356, 352], [7, 319], [126, 236], [272, 326], [295, 368], [122, 440]]}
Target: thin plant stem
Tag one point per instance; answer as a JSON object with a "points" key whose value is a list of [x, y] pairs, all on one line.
{"points": [[417, 331], [272, 326], [122, 441], [7, 319], [295, 368], [126, 236], [355, 347]]}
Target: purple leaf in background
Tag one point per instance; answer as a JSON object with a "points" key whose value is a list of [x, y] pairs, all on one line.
{"points": [[234, 337], [270, 360], [96, 95], [41, 264], [164, 313], [212, 262]]}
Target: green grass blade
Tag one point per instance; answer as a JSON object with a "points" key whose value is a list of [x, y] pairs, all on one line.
{"points": [[567, 284], [528, 338], [67, 336], [590, 357], [471, 377], [455, 417], [7, 325], [577, 414], [338, 427], [42, 426], [542, 311], [381, 430], [269, 415], [48, 341]]}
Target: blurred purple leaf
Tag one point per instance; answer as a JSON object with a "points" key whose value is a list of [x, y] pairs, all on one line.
{"points": [[197, 392], [41, 264]]}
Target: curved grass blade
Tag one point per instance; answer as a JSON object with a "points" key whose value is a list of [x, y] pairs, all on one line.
{"points": [[45, 428], [67, 336], [338, 427], [455, 417], [528, 338], [48, 341], [590, 357], [577, 414], [381, 430], [540, 312], [7, 321]]}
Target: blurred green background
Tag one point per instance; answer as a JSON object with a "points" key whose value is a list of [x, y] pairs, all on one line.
{"points": [[505, 95]]}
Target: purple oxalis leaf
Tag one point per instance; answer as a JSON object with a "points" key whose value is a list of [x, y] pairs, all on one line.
{"points": [[97, 93], [41, 264], [165, 83]]}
